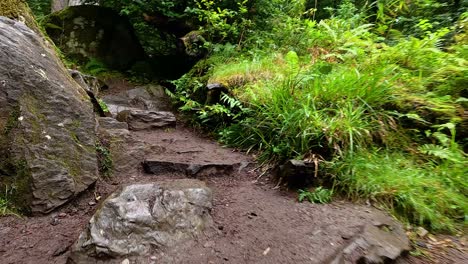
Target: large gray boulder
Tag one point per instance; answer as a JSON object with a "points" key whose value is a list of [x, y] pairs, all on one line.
{"points": [[148, 97], [92, 32], [141, 218], [47, 124]]}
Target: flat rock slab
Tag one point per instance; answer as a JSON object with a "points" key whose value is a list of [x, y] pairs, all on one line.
{"points": [[154, 166], [146, 120], [149, 97], [109, 123], [138, 219]]}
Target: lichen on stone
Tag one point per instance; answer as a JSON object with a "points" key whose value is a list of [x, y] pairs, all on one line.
{"points": [[18, 10]]}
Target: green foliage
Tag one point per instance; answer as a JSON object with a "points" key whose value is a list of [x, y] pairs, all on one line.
{"points": [[432, 193], [103, 105], [319, 195], [106, 164], [6, 207], [95, 67], [220, 22], [416, 17], [40, 8]]}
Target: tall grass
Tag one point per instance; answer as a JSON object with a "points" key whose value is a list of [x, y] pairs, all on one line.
{"points": [[6, 207], [312, 112], [427, 194]]}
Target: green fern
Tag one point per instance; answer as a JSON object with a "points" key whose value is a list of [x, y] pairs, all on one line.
{"points": [[319, 195]]}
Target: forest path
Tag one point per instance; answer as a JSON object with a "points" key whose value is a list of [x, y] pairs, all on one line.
{"points": [[253, 221]]}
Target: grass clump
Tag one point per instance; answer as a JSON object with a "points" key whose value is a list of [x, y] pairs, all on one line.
{"points": [[427, 194], [6, 207], [319, 195]]}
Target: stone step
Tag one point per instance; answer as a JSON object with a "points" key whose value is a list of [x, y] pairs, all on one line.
{"points": [[192, 169], [146, 119]]}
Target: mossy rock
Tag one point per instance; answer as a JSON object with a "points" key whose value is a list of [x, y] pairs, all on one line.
{"points": [[18, 10], [47, 124], [85, 33]]}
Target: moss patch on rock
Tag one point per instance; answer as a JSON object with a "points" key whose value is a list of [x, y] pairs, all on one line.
{"points": [[18, 10]]}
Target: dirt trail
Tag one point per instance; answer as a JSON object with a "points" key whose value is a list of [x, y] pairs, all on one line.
{"points": [[254, 223]]}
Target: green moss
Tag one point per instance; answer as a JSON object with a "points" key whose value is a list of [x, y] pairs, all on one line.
{"points": [[14, 173], [40, 8], [6, 164], [74, 137], [19, 184], [18, 10], [106, 164], [12, 121]]}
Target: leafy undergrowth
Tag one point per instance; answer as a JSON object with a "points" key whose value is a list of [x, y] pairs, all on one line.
{"points": [[385, 113], [427, 194]]}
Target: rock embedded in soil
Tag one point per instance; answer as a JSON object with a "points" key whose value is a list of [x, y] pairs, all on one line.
{"points": [[90, 83], [148, 97], [375, 243], [298, 173], [157, 166], [109, 123], [47, 124], [146, 120], [139, 218]]}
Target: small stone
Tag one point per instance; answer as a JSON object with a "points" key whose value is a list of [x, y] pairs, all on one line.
{"points": [[421, 244], [61, 249], [421, 232], [153, 258], [126, 261], [347, 235], [92, 203], [209, 244], [266, 251], [62, 215], [55, 221], [316, 232]]}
